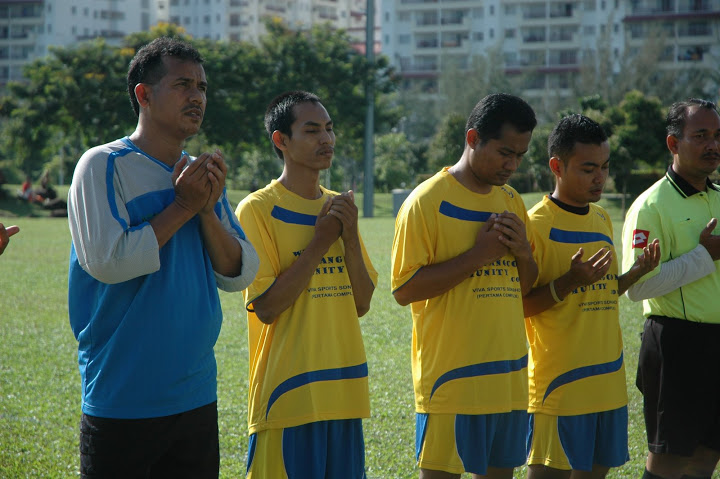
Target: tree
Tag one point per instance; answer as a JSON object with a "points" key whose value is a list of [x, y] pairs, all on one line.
{"points": [[78, 96], [448, 143], [394, 161], [637, 140]]}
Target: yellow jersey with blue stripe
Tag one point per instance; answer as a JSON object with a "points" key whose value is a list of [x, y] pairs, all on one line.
{"points": [[469, 354], [309, 364], [576, 350]]}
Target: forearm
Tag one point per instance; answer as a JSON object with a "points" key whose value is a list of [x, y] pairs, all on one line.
{"points": [[289, 284], [166, 223], [528, 271], [362, 286], [674, 274], [541, 299], [628, 279], [224, 250], [433, 280]]}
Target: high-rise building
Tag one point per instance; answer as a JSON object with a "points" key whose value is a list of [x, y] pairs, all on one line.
{"points": [[548, 41], [29, 27], [21, 25]]}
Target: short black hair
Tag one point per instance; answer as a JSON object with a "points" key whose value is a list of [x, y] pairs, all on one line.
{"points": [[574, 129], [494, 111], [280, 115], [677, 115], [147, 64]]}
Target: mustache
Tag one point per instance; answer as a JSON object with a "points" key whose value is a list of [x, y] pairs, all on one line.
{"points": [[193, 108], [711, 156]]}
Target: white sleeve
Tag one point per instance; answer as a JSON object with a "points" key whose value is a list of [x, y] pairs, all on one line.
{"points": [[108, 248], [674, 274]]}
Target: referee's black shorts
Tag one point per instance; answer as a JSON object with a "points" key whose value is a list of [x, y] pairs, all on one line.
{"points": [[679, 377], [181, 446]]}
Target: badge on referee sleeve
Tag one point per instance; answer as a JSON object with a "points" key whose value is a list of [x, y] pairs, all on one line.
{"points": [[640, 238]]}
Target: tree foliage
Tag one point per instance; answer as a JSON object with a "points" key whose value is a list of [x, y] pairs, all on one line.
{"points": [[394, 162], [448, 144], [77, 97]]}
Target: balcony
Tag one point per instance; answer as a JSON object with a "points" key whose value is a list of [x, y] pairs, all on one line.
{"points": [[427, 44], [669, 10]]}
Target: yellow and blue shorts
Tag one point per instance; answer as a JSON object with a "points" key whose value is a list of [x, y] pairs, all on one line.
{"points": [[579, 442], [317, 449], [458, 443]]}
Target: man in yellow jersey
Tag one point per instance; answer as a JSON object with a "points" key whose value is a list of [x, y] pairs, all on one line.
{"points": [[679, 367], [462, 260], [308, 371], [576, 372]]}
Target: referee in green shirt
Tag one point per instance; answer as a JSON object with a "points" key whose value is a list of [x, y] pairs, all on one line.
{"points": [[679, 363]]}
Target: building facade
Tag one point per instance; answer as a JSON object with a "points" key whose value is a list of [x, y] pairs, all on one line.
{"points": [[546, 41], [28, 28]]}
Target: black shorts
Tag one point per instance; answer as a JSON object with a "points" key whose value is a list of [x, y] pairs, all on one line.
{"points": [[183, 445], [679, 377]]}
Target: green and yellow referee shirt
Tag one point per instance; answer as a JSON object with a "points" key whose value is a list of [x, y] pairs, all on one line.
{"points": [[675, 212]]}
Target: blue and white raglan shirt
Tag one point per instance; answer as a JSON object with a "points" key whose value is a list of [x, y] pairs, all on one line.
{"points": [[146, 318]]}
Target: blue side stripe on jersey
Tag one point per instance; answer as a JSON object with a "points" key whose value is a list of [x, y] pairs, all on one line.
{"points": [[334, 374], [234, 223], [109, 184], [577, 237], [293, 217], [452, 211], [481, 369], [582, 373]]}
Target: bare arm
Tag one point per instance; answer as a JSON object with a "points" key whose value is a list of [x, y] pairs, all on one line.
{"points": [[581, 273], [192, 190], [644, 263], [435, 279], [343, 208], [290, 283], [224, 250]]}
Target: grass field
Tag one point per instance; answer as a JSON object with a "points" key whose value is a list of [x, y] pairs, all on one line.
{"points": [[40, 383]]}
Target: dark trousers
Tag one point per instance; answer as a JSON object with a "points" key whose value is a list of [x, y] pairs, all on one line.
{"points": [[183, 445]]}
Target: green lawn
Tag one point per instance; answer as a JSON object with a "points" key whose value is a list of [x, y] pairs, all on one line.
{"points": [[39, 380]]}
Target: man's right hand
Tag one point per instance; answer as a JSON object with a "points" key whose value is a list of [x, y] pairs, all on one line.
{"points": [[585, 273], [488, 244], [192, 186], [328, 228], [710, 241]]}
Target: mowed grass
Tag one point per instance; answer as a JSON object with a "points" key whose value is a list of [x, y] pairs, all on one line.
{"points": [[40, 383]]}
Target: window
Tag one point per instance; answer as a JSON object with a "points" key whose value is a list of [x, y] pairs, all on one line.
{"points": [[589, 30], [478, 36], [509, 33], [492, 9], [404, 39]]}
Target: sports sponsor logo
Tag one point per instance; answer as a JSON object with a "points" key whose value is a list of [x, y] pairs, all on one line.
{"points": [[640, 238]]}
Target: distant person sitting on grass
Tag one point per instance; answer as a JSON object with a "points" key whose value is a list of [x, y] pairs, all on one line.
{"points": [[5, 234]]}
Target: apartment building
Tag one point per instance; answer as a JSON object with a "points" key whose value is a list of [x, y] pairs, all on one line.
{"points": [[244, 20], [29, 27], [546, 41]]}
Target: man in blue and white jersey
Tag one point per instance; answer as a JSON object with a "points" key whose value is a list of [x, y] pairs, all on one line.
{"points": [[153, 237]]}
